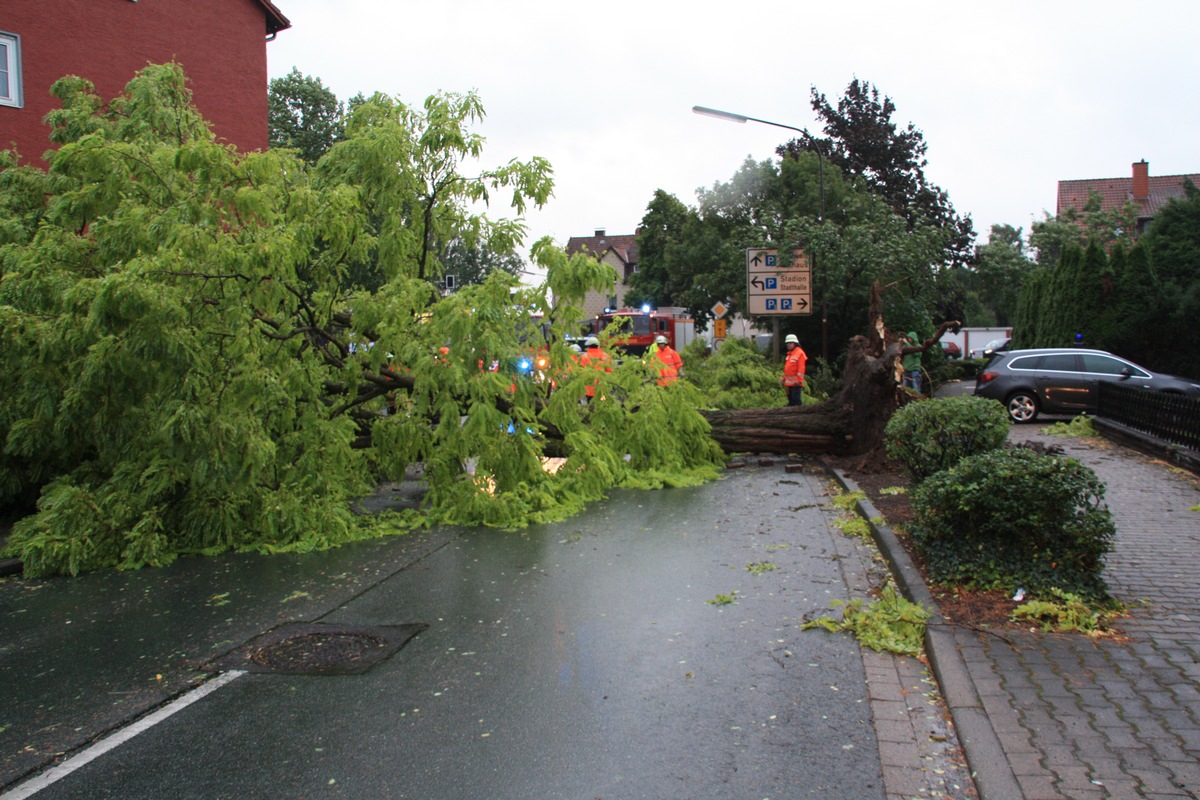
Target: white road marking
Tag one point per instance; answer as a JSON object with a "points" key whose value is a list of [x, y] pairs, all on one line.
{"points": [[117, 738]]}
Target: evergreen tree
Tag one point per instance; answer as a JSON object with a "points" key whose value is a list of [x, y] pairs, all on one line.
{"points": [[1086, 298], [1173, 242], [1143, 333], [1029, 323]]}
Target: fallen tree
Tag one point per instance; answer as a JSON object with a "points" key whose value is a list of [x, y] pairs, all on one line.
{"points": [[191, 365], [849, 423]]}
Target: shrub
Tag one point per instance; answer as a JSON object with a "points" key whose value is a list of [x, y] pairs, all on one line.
{"points": [[1013, 518], [934, 435]]}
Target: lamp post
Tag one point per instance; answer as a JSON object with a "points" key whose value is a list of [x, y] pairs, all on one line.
{"points": [[743, 119]]}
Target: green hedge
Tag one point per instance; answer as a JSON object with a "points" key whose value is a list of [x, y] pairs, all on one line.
{"points": [[1013, 518], [933, 435]]}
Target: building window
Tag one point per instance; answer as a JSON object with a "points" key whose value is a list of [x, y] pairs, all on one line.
{"points": [[10, 70]]}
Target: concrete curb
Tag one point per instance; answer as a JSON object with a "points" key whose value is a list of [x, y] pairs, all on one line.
{"points": [[994, 777]]}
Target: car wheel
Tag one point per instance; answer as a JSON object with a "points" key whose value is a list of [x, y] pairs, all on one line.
{"points": [[1022, 406]]}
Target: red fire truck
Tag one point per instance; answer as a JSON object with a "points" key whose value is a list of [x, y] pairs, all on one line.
{"points": [[639, 327]]}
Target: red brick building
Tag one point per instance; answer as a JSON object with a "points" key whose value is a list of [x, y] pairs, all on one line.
{"points": [[1148, 193], [221, 45]]}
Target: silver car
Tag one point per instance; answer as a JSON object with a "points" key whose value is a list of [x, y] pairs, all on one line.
{"points": [[1064, 380]]}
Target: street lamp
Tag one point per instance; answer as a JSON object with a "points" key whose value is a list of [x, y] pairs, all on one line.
{"points": [[743, 119]]}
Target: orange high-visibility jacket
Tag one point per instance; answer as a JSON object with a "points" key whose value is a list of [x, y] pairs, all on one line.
{"points": [[793, 367], [595, 358], [671, 364]]}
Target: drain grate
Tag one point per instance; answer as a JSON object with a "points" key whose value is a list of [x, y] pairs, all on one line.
{"points": [[317, 648]]}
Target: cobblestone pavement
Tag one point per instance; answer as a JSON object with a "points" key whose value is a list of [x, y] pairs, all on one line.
{"points": [[1115, 717]]}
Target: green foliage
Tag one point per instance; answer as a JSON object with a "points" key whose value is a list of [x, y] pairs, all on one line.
{"points": [[736, 375], [954, 369], [851, 213], [1078, 426], [760, 567], [853, 525], [849, 522], [304, 114], [1000, 267], [821, 380], [1174, 249], [1068, 613], [657, 281], [846, 501], [473, 264], [723, 599], [1009, 518], [889, 624], [868, 145], [933, 435], [1053, 236], [185, 371], [1135, 298]]}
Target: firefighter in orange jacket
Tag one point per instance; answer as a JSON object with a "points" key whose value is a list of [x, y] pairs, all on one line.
{"points": [[594, 358], [793, 369], [671, 362]]}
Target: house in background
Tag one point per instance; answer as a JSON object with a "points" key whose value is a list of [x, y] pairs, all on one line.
{"points": [[1149, 194], [221, 45], [620, 253]]}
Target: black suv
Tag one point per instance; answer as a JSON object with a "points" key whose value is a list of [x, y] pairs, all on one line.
{"points": [[1064, 380]]}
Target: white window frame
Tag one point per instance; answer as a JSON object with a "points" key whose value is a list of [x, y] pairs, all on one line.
{"points": [[12, 47]]}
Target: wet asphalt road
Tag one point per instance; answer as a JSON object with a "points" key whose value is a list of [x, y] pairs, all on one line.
{"points": [[577, 660]]}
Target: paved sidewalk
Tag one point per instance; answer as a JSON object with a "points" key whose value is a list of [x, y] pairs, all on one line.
{"points": [[1113, 717]]}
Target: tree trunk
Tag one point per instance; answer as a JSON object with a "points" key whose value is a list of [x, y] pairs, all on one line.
{"points": [[849, 423]]}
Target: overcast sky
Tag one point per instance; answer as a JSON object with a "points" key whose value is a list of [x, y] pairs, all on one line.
{"points": [[1011, 96]]}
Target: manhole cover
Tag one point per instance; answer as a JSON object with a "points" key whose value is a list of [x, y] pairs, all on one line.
{"points": [[315, 648], [317, 651]]}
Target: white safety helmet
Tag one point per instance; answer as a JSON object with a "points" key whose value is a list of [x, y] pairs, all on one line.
{"points": [[592, 341], [660, 340], [791, 339], [576, 348]]}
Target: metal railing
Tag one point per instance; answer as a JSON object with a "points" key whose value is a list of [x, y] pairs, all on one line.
{"points": [[1170, 417]]}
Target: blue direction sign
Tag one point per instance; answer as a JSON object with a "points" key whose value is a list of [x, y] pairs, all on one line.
{"points": [[774, 288]]}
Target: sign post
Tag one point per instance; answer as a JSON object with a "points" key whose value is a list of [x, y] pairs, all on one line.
{"points": [[719, 310], [776, 289]]}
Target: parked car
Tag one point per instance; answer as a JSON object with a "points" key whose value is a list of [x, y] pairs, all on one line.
{"points": [[951, 350], [1064, 380], [994, 346]]}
